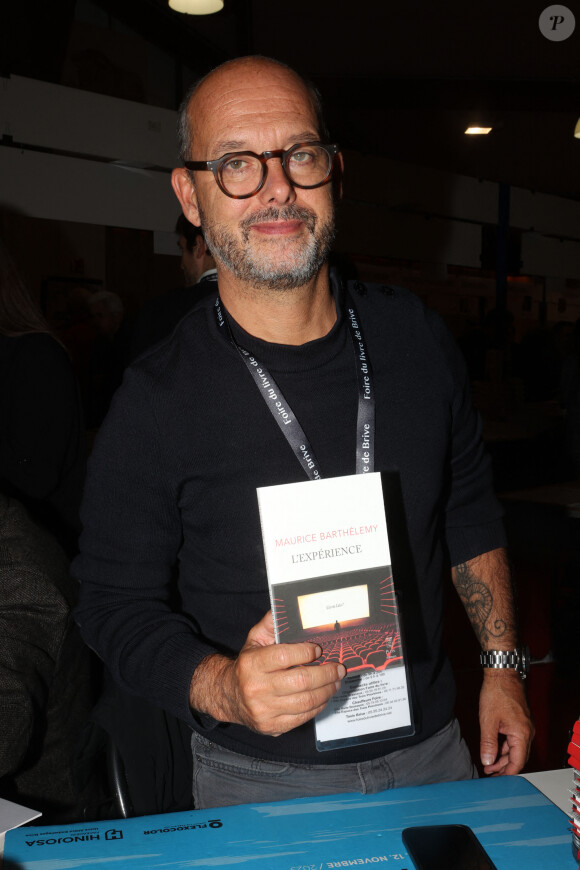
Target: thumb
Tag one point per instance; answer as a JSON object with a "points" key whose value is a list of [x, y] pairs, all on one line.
{"points": [[488, 747], [262, 634]]}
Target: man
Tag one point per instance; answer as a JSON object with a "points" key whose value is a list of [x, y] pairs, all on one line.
{"points": [[258, 179], [196, 258], [159, 317]]}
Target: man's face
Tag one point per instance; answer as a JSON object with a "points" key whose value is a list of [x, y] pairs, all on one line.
{"points": [[105, 322], [189, 263], [280, 237]]}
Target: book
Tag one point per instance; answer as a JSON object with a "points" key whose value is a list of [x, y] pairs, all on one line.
{"points": [[574, 762], [331, 583]]}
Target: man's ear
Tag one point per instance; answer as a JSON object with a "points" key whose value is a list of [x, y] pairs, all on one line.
{"points": [[185, 193]]}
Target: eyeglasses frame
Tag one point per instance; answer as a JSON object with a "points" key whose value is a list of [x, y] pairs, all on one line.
{"points": [[215, 166]]}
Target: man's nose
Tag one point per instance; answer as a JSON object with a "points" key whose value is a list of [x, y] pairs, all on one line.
{"points": [[277, 187]]}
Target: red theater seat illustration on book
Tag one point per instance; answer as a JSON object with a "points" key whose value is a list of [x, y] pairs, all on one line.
{"points": [[367, 636]]}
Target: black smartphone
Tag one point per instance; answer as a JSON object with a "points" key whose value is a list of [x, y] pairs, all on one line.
{"points": [[446, 847]]}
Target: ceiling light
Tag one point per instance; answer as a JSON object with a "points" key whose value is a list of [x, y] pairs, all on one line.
{"points": [[197, 7], [577, 129], [478, 131]]}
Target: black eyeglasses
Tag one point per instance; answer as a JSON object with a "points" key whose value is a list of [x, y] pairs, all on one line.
{"points": [[241, 174]]}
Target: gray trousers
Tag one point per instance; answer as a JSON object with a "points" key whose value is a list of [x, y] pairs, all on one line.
{"points": [[222, 778]]}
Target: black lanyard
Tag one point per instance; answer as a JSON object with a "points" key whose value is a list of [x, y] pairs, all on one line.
{"points": [[285, 417]]}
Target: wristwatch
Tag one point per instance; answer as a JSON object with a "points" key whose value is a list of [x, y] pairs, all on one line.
{"points": [[516, 659]]}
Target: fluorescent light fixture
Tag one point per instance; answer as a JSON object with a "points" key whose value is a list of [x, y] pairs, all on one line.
{"points": [[197, 7], [577, 129], [478, 131]]}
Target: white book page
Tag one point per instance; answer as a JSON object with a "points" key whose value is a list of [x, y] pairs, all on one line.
{"points": [[13, 815], [323, 527]]}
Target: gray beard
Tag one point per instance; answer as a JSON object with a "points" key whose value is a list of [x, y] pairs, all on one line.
{"points": [[302, 261]]}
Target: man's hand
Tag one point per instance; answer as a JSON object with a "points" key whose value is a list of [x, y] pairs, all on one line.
{"points": [[503, 711], [267, 688]]}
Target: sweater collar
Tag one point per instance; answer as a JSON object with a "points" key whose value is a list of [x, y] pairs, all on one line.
{"points": [[294, 358]]}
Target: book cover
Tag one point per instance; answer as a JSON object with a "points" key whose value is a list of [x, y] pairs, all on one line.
{"points": [[329, 570]]}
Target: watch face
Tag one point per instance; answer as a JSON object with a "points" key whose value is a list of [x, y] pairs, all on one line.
{"points": [[524, 667]]}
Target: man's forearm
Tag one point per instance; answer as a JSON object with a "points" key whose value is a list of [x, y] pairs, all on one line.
{"points": [[208, 689], [485, 588]]}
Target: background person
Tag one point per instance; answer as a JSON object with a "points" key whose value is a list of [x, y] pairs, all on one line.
{"points": [[45, 671], [42, 437], [160, 315], [110, 353]]}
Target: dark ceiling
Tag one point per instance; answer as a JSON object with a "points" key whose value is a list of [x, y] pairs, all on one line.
{"points": [[401, 80]]}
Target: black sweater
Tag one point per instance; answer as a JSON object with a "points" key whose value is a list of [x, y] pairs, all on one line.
{"points": [[172, 565]]}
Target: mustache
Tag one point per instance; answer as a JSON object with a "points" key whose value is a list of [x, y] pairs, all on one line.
{"points": [[285, 213]]}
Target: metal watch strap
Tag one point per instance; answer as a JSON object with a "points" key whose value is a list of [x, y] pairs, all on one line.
{"points": [[514, 659]]}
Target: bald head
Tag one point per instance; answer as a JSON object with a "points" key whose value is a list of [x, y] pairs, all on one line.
{"points": [[224, 77]]}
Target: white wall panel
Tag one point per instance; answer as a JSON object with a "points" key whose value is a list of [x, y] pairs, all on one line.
{"points": [[66, 119], [70, 189]]}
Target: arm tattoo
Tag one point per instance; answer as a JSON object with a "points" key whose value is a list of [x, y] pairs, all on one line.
{"points": [[478, 602]]}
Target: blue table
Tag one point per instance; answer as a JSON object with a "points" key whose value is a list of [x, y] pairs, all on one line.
{"points": [[520, 828]]}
